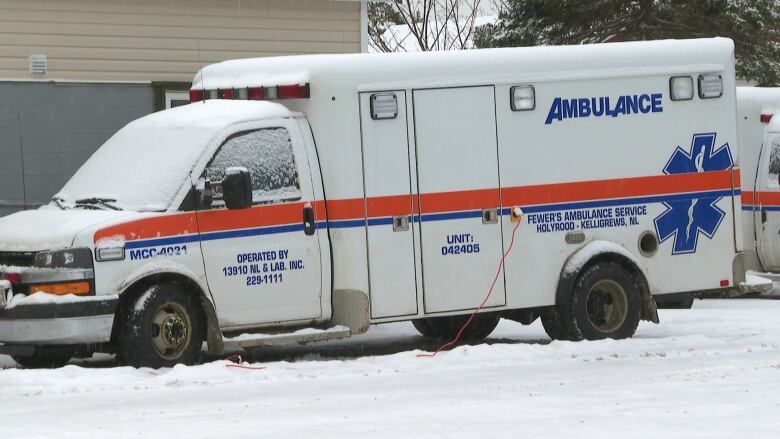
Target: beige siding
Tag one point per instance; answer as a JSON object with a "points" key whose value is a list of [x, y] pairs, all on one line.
{"points": [[165, 40]]}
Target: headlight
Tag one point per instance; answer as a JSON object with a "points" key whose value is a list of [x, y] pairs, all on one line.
{"points": [[67, 258]]}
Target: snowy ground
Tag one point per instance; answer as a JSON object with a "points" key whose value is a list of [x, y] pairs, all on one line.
{"points": [[713, 371]]}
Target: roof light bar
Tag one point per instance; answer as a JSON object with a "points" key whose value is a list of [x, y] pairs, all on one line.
{"points": [[292, 91]]}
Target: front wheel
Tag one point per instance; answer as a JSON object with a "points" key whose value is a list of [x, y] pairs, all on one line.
{"points": [[161, 328]]}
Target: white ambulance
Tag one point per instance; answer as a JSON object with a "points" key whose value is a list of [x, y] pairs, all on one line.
{"points": [[760, 155], [305, 198]]}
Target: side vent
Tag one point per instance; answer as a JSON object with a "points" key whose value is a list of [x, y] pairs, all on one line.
{"points": [[39, 64]]}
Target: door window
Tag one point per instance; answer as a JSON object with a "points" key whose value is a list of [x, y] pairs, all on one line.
{"points": [[773, 182], [268, 156]]}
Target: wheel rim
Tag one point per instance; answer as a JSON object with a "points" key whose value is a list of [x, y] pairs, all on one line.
{"points": [[607, 306], [171, 332]]}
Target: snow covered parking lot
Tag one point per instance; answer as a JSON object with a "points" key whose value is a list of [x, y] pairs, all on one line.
{"points": [[713, 371]]}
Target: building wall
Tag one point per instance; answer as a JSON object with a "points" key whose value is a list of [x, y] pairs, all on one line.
{"points": [[112, 61], [47, 130], [166, 40]]}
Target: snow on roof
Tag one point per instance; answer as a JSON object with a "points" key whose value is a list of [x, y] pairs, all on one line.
{"points": [[767, 98], [214, 113], [495, 65]]}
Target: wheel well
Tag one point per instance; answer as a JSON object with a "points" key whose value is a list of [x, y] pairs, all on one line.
{"points": [[568, 280], [131, 293]]}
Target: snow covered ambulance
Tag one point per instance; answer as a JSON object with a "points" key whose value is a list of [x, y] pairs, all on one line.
{"points": [[759, 133], [304, 198]]}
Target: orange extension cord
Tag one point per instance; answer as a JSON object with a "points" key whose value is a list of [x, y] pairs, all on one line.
{"points": [[490, 293]]}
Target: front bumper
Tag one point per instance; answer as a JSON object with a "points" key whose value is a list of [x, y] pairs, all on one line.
{"points": [[77, 321]]}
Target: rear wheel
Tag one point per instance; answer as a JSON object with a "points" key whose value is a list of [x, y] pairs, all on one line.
{"points": [[605, 303], [423, 326], [161, 328], [446, 328]]}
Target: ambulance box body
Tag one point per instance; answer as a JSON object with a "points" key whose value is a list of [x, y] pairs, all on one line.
{"points": [[331, 192]]}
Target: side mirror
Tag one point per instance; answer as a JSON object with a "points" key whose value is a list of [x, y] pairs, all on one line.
{"points": [[237, 188]]}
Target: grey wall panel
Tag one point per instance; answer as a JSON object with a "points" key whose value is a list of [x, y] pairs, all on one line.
{"points": [[62, 124]]}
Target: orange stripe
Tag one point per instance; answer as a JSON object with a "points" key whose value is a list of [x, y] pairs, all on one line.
{"points": [[357, 208], [257, 216], [457, 201], [763, 198], [154, 227], [621, 188]]}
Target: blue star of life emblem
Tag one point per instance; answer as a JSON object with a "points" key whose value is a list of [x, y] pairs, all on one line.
{"points": [[685, 218]]}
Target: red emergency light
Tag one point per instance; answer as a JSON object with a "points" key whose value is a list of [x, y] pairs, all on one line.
{"points": [[196, 95], [766, 118], [14, 278], [292, 91], [225, 93]]}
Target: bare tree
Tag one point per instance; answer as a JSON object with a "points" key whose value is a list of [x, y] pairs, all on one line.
{"points": [[422, 25]]}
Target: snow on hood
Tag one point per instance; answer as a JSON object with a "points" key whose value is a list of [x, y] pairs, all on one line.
{"points": [[145, 164], [49, 228]]}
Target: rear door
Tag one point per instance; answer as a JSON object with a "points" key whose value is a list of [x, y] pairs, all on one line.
{"points": [[389, 202], [459, 200], [262, 264], [767, 198]]}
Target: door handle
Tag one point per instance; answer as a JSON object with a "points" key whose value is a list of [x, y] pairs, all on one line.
{"points": [[400, 223], [489, 216], [763, 216], [308, 221]]}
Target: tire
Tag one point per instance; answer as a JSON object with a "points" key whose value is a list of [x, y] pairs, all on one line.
{"points": [[605, 304], [553, 324], [163, 327], [423, 326], [446, 328], [45, 357]]}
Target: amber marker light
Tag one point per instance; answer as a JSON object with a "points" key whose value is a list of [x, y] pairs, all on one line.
{"points": [[60, 289]]}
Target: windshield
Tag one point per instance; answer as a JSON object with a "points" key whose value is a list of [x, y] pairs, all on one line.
{"points": [[140, 168]]}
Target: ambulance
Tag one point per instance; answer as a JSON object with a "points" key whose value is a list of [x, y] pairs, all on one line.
{"points": [[760, 151], [306, 198]]}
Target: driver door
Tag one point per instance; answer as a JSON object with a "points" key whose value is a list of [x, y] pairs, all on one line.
{"points": [[767, 215], [262, 265]]}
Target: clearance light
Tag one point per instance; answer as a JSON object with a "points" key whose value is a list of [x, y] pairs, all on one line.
{"points": [[196, 95], [523, 98], [681, 88], [766, 118], [710, 86], [81, 288]]}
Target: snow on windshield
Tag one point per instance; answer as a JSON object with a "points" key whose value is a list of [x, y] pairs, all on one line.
{"points": [[268, 156], [146, 163]]}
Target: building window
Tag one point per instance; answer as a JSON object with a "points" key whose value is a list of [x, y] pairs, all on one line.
{"points": [[176, 98]]}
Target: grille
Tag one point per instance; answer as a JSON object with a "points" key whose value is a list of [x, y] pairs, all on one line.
{"points": [[17, 259]]}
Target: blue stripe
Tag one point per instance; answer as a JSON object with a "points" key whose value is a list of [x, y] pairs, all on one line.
{"points": [[181, 239], [452, 215], [228, 234], [752, 208], [243, 233], [623, 201]]}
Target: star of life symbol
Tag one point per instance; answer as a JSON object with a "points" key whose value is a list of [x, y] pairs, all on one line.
{"points": [[686, 218]]}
